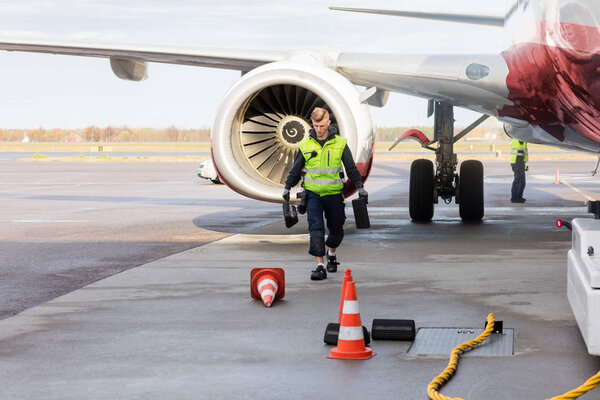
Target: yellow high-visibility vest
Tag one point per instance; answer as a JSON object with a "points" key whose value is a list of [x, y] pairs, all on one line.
{"points": [[518, 149], [323, 170]]}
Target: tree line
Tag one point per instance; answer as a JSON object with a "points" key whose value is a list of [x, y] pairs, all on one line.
{"points": [[106, 134], [173, 134]]}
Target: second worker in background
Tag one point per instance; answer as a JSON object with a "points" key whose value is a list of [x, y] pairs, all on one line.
{"points": [[518, 162], [321, 156]]}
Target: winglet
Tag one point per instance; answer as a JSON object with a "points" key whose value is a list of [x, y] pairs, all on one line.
{"points": [[462, 18]]}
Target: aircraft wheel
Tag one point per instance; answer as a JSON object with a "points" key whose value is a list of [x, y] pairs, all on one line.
{"points": [[470, 190], [420, 193]]}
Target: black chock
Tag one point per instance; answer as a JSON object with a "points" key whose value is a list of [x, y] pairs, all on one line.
{"points": [[333, 330], [290, 215], [302, 206], [498, 326], [393, 329], [361, 214]]}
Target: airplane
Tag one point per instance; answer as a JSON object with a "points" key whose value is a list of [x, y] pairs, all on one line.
{"points": [[543, 87]]}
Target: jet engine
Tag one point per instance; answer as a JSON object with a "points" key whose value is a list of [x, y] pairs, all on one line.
{"points": [[266, 113]]}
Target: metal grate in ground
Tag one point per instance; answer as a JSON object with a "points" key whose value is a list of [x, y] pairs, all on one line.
{"points": [[441, 341]]}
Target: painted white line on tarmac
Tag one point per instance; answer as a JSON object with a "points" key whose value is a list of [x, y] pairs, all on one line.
{"points": [[571, 177], [30, 221]]}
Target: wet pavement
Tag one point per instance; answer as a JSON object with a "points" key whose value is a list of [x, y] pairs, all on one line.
{"points": [[178, 321]]}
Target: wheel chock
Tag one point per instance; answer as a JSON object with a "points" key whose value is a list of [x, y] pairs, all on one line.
{"points": [[333, 330], [361, 213], [267, 284], [393, 329]]}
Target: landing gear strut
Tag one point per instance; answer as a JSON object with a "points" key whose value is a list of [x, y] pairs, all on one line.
{"points": [[427, 185]]}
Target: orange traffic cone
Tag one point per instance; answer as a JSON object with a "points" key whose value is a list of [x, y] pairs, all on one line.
{"points": [[351, 341], [347, 278], [267, 284], [557, 179]]}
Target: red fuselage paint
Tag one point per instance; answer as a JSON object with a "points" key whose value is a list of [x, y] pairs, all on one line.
{"points": [[556, 86]]}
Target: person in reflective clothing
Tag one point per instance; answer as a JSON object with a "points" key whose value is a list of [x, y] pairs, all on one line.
{"points": [[518, 162], [321, 156]]}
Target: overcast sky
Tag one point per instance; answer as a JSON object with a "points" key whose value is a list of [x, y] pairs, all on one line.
{"points": [[72, 92]]}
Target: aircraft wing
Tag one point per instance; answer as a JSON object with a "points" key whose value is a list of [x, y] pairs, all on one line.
{"points": [[234, 59], [492, 20], [428, 76]]}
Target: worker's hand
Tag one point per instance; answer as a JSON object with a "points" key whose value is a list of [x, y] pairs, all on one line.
{"points": [[527, 168], [363, 194], [286, 195]]}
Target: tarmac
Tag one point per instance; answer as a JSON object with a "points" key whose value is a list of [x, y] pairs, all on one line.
{"points": [[183, 326]]}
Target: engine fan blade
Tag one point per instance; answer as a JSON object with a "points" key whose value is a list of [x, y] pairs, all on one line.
{"points": [[269, 159], [281, 169]]}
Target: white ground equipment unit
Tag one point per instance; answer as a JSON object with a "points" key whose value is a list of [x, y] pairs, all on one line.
{"points": [[583, 277]]}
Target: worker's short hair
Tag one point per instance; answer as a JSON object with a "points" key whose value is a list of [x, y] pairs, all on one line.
{"points": [[319, 114]]}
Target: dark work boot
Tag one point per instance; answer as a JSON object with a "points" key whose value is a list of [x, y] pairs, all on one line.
{"points": [[318, 274], [332, 263]]}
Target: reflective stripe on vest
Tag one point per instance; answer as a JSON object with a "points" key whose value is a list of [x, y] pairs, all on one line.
{"points": [[309, 179], [323, 171]]}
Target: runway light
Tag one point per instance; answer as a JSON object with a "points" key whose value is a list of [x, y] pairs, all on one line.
{"points": [[560, 223]]}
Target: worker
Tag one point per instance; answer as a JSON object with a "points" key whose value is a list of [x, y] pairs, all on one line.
{"points": [[321, 156], [518, 163]]}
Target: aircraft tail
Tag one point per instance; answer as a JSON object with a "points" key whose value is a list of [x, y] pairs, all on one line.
{"points": [[463, 18]]}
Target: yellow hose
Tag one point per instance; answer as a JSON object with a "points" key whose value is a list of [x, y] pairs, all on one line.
{"points": [[441, 379], [590, 384]]}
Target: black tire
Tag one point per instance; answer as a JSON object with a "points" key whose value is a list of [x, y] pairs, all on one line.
{"points": [[420, 193], [216, 181], [470, 190]]}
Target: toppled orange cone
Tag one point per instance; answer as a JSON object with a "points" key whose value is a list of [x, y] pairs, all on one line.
{"points": [[351, 341], [267, 284]]}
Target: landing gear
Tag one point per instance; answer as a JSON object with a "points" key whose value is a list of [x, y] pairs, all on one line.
{"points": [[426, 186]]}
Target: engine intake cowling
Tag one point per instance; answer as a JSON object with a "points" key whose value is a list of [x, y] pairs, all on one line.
{"points": [[265, 114]]}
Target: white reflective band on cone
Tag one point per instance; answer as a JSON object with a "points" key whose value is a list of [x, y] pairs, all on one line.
{"points": [[266, 282], [350, 307], [351, 333], [267, 292]]}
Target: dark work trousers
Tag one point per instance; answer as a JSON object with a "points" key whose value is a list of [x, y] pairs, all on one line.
{"points": [[518, 185], [333, 208]]}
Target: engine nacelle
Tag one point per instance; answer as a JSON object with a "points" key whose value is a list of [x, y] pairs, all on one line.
{"points": [[129, 70], [265, 114]]}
